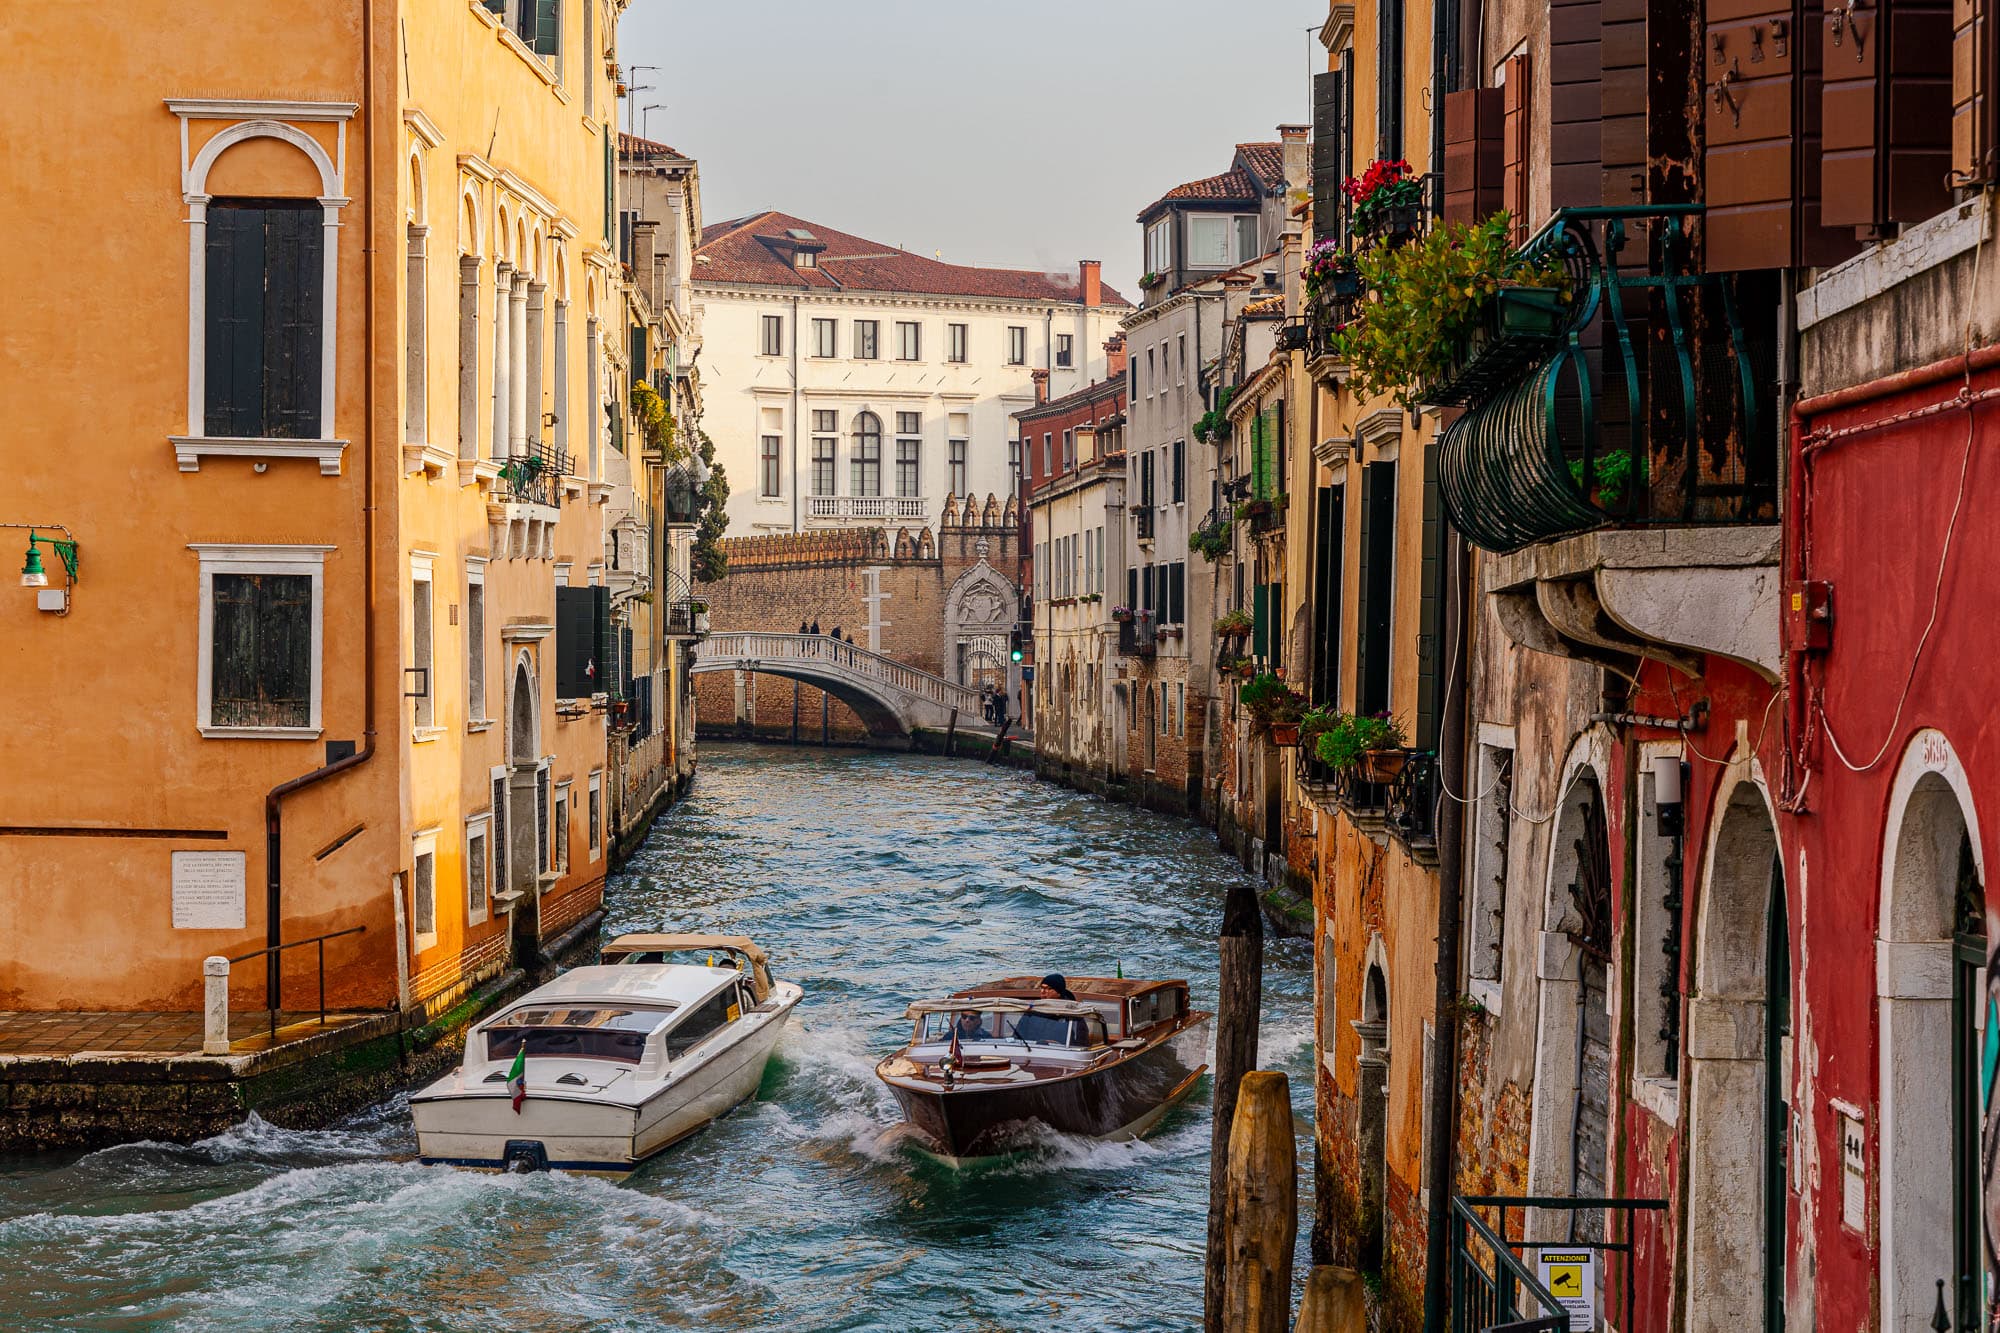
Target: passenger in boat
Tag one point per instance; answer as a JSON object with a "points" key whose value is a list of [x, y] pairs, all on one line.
{"points": [[1055, 986], [970, 1028]]}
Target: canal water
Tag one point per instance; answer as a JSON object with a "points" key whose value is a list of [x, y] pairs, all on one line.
{"points": [[873, 879]]}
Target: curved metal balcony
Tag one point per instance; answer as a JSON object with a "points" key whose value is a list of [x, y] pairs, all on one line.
{"points": [[1638, 406]]}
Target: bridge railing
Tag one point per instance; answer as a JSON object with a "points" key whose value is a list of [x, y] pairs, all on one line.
{"points": [[759, 647]]}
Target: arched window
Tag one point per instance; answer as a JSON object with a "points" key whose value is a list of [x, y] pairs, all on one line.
{"points": [[867, 454]]}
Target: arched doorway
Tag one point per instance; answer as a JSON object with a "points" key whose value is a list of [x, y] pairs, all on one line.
{"points": [[1739, 1062], [526, 820], [1933, 1026], [1570, 1148], [1372, 1089]]}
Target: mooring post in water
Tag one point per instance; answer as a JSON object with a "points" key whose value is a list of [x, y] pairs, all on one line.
{"points": [[1239, 999], [1333, 1303], [1261, 1212], [951, 733]]}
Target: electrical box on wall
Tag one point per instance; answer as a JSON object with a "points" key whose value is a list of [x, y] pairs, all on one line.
{"points": [[52, 599], [1809, 616]]}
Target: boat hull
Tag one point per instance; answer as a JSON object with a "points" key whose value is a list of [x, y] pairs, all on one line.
{"points": [[1120, 1100], [556, 1131]]}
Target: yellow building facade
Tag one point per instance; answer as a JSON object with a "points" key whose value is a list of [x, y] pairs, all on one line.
{"points": [[307, 676]]}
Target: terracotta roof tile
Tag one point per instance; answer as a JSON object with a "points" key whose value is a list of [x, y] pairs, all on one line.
{"points": [[1257, 168], [632, 146], [750, 251]]}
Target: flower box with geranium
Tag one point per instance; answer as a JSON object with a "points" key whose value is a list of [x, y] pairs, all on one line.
{"points": [[1234, 625], [1331, 272], [1121, 614], [1387, 200]]}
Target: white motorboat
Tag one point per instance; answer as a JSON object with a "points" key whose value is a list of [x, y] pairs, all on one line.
{"points": [[605, 1066]]}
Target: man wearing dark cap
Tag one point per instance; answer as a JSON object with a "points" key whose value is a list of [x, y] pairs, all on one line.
{"points": [[1056, 987]]}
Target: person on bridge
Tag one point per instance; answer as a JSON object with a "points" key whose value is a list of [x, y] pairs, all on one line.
{"points": [[802, 627], [836, 633], [815, 628]]}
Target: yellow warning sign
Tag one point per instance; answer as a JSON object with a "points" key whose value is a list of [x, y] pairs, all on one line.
{"points": [[1571, 1277]]}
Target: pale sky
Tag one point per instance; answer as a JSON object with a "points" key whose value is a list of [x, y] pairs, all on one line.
{"points": [[1024, 133]]}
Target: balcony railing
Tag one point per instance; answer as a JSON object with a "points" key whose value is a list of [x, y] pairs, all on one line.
{"points": [[1492, 1286], [532, 475], [1325, 314], [1143, 516], [1412, 803], [1636, 402], [912, 508], [1139, 636]]}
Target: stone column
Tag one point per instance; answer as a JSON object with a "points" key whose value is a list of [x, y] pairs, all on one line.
{"points": [[215, 1006], [561, 387], [538, 293], [502, 395], [517, 373]]}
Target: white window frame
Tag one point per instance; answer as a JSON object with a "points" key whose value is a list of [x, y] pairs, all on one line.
{"points": [[423, 569], [423, 843], [475, 708], [559, 816], [1198, 254], [594, 812], [1159, 246], [479, 828], [254, 120], [216, 558]]}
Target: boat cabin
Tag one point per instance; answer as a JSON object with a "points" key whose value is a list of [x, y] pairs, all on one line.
{"points": [[610, 1013], [1128, 1008]]}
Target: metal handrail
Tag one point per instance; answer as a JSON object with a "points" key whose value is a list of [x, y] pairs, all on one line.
{"points": [[273, 997], [1475, 1293]]}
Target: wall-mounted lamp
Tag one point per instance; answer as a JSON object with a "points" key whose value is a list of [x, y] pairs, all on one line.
{"points": [[1667, 783], [35, 574]]}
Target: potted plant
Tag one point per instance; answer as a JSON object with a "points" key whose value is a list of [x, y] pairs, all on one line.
{"points": [[1611, 477], [1461, 301], [1236, 624], [1363, 743], [1331, 272], [1151, 280], [1272, 704], [1387, 200], [1121, 614], [1314, 723], [1211, 540]]}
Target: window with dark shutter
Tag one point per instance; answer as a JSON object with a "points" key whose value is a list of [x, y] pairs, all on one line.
{"points": [[1762, 149], [1516, 129], [1471, 154], [542, 821], [261, 651], [1886, 141], [1329, 152], [263, 293], [1972, 154], [1597, 95], [500, 884], [1378, 585], [1389, 79], [1430, 605], [580, 666], [545, 37], [1329, 561]]}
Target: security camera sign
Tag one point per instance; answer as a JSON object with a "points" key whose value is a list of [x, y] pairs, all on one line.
{"points": [[1571, 1277]]}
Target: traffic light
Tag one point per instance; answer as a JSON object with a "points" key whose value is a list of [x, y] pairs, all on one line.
{"points": [[1013, 645]]}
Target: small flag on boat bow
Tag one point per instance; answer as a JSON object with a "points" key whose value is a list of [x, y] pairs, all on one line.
{"points": [[517, 1080]]}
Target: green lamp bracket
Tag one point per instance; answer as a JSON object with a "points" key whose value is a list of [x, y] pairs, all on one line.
{"points": [[33, 573]]}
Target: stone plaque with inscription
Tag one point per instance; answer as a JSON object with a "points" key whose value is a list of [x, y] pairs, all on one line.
{"points": [[208, 890]]}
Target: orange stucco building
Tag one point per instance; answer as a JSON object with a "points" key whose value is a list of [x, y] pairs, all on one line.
{"points": [[324, 494]]}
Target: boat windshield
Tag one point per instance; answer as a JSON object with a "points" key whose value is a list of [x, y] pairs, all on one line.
{"points": [[994, 1025], [586, 1034]]}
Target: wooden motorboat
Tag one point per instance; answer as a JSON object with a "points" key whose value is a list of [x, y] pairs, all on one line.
{"points": [[605, 1066], [987, 1065]]}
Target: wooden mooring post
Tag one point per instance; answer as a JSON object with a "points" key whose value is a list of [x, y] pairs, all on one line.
{"points": [[1261, 1212], [1239, 1001]]}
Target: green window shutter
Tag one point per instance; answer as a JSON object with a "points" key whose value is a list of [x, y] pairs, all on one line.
{"points": [[1260, 615], [548, 28]]}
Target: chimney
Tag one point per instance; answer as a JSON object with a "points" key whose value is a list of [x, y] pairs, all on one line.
{"points": [[1041, 378], [1297, 155], [645, 242], [1091, 281], [1114, 357]]}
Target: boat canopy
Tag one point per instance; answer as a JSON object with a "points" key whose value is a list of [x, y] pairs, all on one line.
{"points": [[957, 1005], [760, 963]]}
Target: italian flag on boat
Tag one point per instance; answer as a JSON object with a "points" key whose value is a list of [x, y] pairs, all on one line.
{"points": [[517, 1080]]}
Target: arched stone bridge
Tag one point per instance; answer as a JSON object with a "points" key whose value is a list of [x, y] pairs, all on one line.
{"points": [[892, 699]]}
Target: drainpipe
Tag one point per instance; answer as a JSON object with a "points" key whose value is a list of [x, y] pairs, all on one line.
{"points": [[1441, 1151], [273, 811], [795, 414]]}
